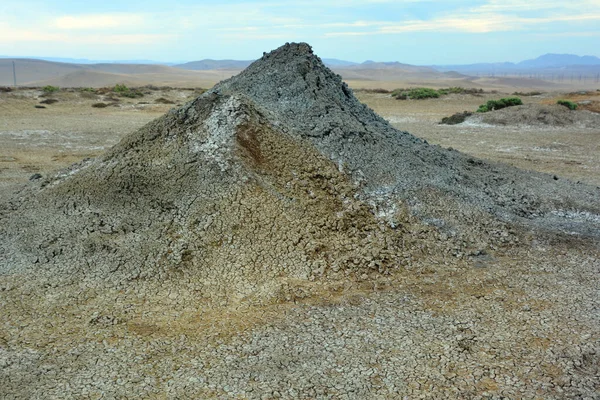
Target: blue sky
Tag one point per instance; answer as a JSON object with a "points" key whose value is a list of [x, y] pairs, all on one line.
{"points": [[410, 31]]}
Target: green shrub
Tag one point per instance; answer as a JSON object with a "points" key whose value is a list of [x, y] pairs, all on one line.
{"points": [[124, 91], [423, 93], [119, 88], [50, 89], [397, 92], [569, 104], [454, 90], [132, 94], [415, 94], [500, 104]]}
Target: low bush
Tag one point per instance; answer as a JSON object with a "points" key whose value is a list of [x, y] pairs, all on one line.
{"points": [[49, 101], [415, 94], [99, 105], [428, 93], [459, 90], [124, 91], [456, 118], [162, 100], [50, 89], [569, 104], [132, 94], [525, 94], [119, 88], [499, 104]]}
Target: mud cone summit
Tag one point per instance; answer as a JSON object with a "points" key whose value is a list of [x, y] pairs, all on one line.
{"points": [[273, 179]]}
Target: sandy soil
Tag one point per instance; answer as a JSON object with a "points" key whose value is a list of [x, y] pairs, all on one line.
{"points": [[36, 140]]}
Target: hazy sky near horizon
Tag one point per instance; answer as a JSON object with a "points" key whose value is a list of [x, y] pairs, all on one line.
{"points": [[411, 31]]}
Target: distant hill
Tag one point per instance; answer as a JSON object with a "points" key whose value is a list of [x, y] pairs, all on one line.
{"points": [[546, 66], [559, 60], [206, 65], [392, 71], [385, 65], [29, 70], [88, 61], [32, 72], [334, 62]]}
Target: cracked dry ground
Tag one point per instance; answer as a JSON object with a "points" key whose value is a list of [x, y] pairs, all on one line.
{"points": [[520, 324]]}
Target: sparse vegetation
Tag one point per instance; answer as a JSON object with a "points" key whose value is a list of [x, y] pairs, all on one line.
{"points": [[456, 118], [162, 100], [527, 94], [99, 105], [38, 106], [415, 94], [429, 93], [376, 90], [569, 104], [124, 91], [49, 101], [492, 105], [50, 89], [460, 90]]}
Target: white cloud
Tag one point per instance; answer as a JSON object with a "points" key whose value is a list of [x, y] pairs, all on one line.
{"points": [[484, 19], [98, 21], [12, 34]]}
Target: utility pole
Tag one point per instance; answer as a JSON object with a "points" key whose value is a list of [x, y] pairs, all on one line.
{"points": [[14, 74]]}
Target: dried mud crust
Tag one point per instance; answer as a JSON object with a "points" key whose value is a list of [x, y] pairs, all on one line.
{"points": [[518, 326], [277, 222], [538, 114]]}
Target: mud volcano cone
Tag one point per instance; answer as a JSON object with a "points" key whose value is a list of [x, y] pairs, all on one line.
{"points": [[277, 173]]}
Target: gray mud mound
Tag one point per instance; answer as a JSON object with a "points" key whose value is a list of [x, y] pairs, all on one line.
{"points": [[538, 115], [279, 171], [275, 238], [211, 193], [297, 92]]}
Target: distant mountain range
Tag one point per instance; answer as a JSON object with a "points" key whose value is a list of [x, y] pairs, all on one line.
{"points": [[207, 65], [546, 66], [547, 63], [88, 61], [549, 67]]}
